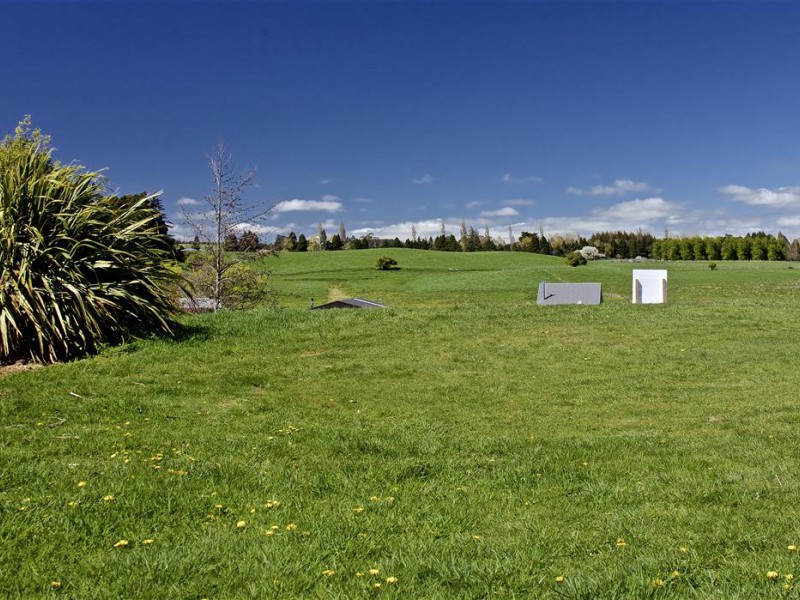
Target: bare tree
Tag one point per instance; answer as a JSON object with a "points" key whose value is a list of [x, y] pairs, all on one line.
{"points": [[226, 215]]}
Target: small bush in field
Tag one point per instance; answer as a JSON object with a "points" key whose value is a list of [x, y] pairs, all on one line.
{"points": [[385, 263], [575, 259]]}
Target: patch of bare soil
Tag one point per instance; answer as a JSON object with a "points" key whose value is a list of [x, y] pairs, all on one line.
{"points": [[17, 367]]}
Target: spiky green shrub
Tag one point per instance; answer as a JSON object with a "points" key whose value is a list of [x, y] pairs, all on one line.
{"points": [[77, 270]]}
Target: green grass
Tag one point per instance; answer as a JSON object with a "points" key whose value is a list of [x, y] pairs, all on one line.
{"points": [[493, 445]]}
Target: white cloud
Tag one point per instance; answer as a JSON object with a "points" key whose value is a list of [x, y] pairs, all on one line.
{"points": [[331, 198], [783, 197], [503, 212], [793, 221], [618, 188], [519, 202], [184, 201], [509, 178], [325, 181], [645, 210], [424, 180], [330, 205], [473, 204]]}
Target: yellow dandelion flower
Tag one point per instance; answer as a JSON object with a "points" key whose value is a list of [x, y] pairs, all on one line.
{"points": [[476, 538], [155, 467], [792, 548], [291, 527], [306, 533], [81, 484], [359, 574], [374, 499], [676, 573], [560, 579], [684, 550], [658, 582], [376, 586], [621, 543], [147, 542], [121, 544], [787, 586], [252, 511], [72, 503], [218, 506], [108, 498], [329, 572], [391, 580], [772, 575], [55, 585], [358, 510], [241, 524], [374, 571], [389, 499], [274, 528], [789, 577]]}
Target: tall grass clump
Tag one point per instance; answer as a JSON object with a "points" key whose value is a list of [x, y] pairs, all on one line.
{"points": [[77, 268]]}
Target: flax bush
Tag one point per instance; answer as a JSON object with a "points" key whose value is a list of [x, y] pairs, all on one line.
{"points": [[77, 270]]}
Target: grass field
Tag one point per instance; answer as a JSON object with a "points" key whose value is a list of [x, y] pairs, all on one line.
{"points": [[463, 443]]}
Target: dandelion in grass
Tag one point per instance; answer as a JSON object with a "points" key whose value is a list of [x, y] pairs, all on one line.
{"points": [[108, 498], [359, 574], [391, 580], [621, 543], [792, 548], [676, 573], [241, 524], [389, 499], [773, 575], [787, 586], [147, 542], [789, 577], [329, 572], [121, 544], [559, 579], [291, 527], [374, 572], [72, 503], [376, 586], [81, 484], [358, 510], [269, 533], [55, 585], [218, 506], [274, 528], [684, 550], [658, 582], [476, 538]]}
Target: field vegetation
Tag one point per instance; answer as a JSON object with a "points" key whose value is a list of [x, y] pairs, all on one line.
{"points": [[463, 443]]}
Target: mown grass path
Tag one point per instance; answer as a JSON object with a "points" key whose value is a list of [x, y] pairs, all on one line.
{"points": [[464, 443]]}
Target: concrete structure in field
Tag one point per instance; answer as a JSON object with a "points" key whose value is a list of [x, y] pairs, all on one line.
{"points": [[348, 303], [649, 286], [551, 294]]}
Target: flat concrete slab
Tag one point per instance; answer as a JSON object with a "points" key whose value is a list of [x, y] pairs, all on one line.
{"points": [[551, 294]]}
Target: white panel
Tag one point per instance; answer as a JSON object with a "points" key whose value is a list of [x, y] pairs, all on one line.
{"points": [[649, 286]]}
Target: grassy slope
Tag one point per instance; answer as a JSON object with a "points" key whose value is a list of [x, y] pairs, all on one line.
{"points": [[516, 443]]}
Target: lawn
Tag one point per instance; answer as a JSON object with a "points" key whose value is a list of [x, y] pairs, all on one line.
{"points": [[463, 443]]}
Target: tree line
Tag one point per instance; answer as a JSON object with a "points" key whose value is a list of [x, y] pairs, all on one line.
{"points": [[609, 244]]}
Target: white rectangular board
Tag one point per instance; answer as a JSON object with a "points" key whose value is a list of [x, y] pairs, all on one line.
{"points": [[649, 286]]}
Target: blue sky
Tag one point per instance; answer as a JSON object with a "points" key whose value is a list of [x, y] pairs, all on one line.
{"points": [[572, 117]]}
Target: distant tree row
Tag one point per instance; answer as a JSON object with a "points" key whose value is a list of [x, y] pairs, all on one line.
{"points": [[753, 246], [609, 244]]}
